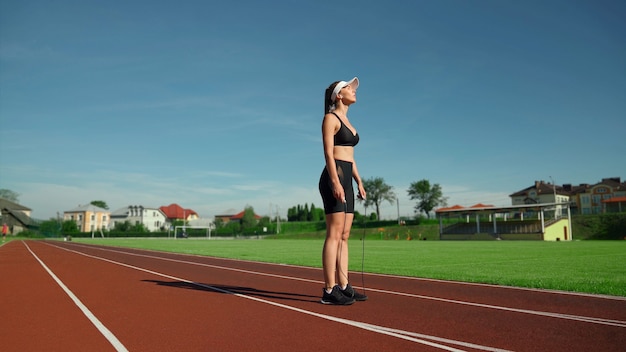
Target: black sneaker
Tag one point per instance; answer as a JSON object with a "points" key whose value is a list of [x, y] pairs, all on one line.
{"points": [[336, 297], [351, 293]]}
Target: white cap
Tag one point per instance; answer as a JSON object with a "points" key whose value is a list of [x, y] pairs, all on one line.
{"points": [[353, 82]]}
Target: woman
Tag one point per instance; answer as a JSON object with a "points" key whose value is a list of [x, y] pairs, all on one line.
{"points": [[339, 138]]}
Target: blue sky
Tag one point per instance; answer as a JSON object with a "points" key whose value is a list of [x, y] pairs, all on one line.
{"points": [[218, 105]]}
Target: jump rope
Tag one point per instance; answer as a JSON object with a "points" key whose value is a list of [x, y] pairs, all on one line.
{"points": [[345, 220]]}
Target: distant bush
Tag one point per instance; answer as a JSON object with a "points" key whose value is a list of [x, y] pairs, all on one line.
{"points": [[30, 234], [600, 227], [131, 233]]}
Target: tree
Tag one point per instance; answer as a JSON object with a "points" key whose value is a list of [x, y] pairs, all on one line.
{"points": [[139, 227], [264, 222], [427, 197], [317, 214], [292, 214], [122, 226], [232, 227], [69, 226], [304, 214], [51, 227], [248, 220], [10, 195], [100, 203], [377, 192]]}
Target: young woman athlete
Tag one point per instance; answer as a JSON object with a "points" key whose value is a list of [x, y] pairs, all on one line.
{"points": [[339, 138]]}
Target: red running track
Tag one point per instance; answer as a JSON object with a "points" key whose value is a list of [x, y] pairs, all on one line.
{"points": [[63, 296]]}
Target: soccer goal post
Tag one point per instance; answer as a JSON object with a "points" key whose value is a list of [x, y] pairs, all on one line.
{"points": [[182, 230]]}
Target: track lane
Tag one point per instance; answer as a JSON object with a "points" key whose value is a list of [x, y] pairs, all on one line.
{"points": [[444, 319], [35, 313], [407, 307], [149, 311]]}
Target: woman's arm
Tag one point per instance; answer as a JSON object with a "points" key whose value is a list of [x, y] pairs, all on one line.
{"points": [[330, 126], [357, 178]]}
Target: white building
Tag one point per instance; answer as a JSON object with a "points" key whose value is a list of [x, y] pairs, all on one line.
{"points": [[541, 193], [583, 199], [153, 219]]}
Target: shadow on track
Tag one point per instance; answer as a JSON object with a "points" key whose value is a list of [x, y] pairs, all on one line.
{"points": [[224, 289]]}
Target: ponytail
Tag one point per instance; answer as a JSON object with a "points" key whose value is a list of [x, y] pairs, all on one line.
{"points": [[328, 104]]}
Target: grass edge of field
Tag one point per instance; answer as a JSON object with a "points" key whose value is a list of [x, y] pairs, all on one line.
{"points": [[582, 277]]}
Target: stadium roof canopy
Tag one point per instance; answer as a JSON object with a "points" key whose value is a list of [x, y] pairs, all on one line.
{"points": [[492, 209]]}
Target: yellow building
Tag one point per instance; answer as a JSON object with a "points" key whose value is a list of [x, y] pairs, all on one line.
{"points": [[592, 199], [89, 218], [583, 199]]}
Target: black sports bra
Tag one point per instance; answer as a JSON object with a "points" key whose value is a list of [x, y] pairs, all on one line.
{"points": [[344, 136]]}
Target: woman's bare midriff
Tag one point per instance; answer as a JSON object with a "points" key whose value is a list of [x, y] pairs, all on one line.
{"points": [[343, 153]]}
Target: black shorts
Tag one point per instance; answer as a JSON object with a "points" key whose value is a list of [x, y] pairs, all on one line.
{"points": [[331, 204]]}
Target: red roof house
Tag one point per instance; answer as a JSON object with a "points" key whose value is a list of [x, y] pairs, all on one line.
{"points": [[481, 205], [228, 216], [176, 212], [454, 207]]}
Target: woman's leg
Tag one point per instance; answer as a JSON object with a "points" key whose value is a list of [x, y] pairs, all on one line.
{"points": [[337, 232], [342, 263], [342, 256]]}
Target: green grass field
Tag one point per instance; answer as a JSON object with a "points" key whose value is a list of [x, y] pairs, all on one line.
{"points": [[581, 266]]}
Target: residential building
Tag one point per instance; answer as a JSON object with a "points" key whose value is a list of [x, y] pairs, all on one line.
{"points": [[89, 218], [16, 216], [176, 212], [584, 198], [540, 193], [231, 215], [592, 199], [614, 205], [153, 219], [224, 217]]}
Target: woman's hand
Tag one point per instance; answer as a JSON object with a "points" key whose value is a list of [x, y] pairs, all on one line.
{"points": [[362, 195], [338, 192]]}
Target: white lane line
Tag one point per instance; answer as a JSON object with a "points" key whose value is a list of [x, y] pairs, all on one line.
{"points": [[401, 334], [94, 320], [602, 321], [447, 282], [592, 320], [513, 288]]}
